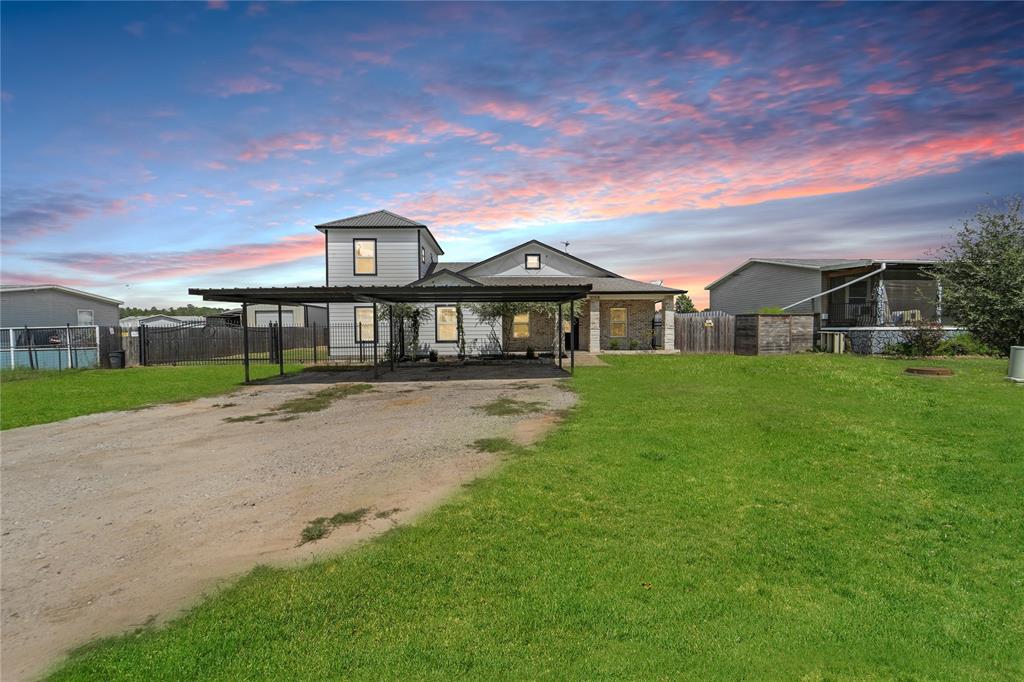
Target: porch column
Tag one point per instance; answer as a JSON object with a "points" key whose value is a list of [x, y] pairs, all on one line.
{"points": [[595, 325], [668, 323]]}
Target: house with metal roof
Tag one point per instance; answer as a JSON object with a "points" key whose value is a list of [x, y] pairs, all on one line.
{"points": [[869, 300], [382, 258]]}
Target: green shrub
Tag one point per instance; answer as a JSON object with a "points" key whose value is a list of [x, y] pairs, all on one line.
{"points": [[634, 344], [771, 310], [530, 354], [433, 355], [964, 344], [613, 344], [922, 339]]}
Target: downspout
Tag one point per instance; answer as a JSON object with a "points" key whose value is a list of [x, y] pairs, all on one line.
{"points": [[841, 286]]}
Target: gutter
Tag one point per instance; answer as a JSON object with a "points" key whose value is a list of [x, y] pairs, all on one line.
{"points": [[841, 286]]}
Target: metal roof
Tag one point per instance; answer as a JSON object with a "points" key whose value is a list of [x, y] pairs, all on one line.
{"points": [[380, 218], [598, 285], [397, 294], [377, 220], [820, 264], [10, 288]]}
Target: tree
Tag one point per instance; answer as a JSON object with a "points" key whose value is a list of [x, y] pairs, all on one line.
{"points": [[684, 304], [413, 314], [982, 276], [504, 315]]}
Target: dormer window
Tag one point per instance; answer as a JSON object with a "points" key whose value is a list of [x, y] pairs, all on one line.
{"points": [[364, 252], [533, 261]]}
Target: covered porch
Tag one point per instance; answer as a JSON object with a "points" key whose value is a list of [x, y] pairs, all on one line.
{"points": [[896, 295]]}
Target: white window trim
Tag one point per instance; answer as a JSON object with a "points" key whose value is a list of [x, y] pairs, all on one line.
{"points": [[92, 314], [437, 323]]}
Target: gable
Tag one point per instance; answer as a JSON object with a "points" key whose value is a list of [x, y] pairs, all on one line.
{"points": [[445, 278], [553, 263]]}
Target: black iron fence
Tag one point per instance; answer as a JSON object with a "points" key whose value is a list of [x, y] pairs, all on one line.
{"points": [[203, 344]]}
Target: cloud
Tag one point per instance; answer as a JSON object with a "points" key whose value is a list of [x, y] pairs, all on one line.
{"points": [[887, 88], [29, 214], [136, 28], [282, 145], [155, 266], [245, 85]]}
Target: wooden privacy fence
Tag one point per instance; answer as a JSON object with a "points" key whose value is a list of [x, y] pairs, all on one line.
{"points": [[710, 332]]}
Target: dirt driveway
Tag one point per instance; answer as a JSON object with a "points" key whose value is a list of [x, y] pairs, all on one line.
{"points": [[115, 520]]}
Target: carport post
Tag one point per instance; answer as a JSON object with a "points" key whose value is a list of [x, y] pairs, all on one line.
{"points": [[280, 343], [245, 339], [561, 335], [572, 338], [391, 334], [376, 340]]}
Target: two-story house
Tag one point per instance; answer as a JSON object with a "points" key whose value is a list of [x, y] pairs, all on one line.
{"points": [[382, 249]]}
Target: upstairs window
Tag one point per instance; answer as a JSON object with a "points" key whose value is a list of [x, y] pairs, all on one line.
{"points": [[365, 256], [446, 324], [533, 261], [364, 324], [521, 326], [423, 255], [619, 317], [86, 318]]}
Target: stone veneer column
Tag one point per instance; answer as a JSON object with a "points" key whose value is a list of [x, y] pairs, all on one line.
{"points": [[595, 325], [668, 323]]}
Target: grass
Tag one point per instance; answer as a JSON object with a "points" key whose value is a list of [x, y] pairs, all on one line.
{"points": [[321, 527], [498, 445], [38, 397], [698, 517], [322, 399], [502, 407]]}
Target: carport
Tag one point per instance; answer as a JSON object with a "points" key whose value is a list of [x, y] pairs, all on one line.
{"points": [[392, 295]]}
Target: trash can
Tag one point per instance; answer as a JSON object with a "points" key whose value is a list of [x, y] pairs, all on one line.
{"points": [[1016, 370], [116, 358]]}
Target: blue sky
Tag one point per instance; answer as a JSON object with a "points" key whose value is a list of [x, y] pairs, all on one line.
{"points": [[150, 147]]}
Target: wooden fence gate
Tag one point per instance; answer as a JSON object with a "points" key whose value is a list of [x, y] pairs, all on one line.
{"points": [[710, 332]]}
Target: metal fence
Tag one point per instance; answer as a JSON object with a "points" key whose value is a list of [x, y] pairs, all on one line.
{"points": [[203, 344], [57, 348]]}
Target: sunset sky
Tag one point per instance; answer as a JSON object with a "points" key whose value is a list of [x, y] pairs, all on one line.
{"points": [[152, 147]]}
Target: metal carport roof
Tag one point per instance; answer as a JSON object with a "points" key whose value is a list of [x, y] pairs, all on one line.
{"points": [[397, 294]]}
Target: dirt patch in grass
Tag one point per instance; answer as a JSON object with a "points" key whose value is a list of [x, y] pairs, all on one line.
{"points": [[322, 526], [322, 399], [503, 407]]}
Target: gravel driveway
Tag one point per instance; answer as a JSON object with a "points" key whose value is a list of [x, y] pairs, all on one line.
{"points": [[115, 520]]}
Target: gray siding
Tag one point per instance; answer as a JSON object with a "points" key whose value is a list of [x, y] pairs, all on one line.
{"points": [[52, 308], [762, 285], [397, 257], [552, 264]]}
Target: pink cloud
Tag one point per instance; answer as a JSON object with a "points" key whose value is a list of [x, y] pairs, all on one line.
{"points": [[219, 5], [887, 88], [378, 58], [716, 57], [149, 266], [283, 145], [245, 85]]}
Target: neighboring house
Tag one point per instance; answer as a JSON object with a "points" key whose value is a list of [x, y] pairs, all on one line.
{"points": [[159, 320], [53, 305], [384, 249], [869, 300], [264, 315]]}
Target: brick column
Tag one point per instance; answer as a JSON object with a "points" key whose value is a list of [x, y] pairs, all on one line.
{"points": [[668, 323], [595, 325]]}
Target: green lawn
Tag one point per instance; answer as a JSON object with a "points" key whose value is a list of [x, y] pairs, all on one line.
{"points": [[807, 517], [36, 397]]}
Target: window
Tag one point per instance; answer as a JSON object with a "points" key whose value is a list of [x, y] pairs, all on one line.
{"points": [[364, 252], [446, 324], [521, 326], [619, 317], [423, 254], [533, 261], [364, 324], [86, 318]]}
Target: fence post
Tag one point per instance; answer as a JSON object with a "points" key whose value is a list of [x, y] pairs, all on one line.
{"points": [[280, 342], [315, 342], [67, 328], [31, 349], [376, 333], [10, 335], [245, 339]]}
